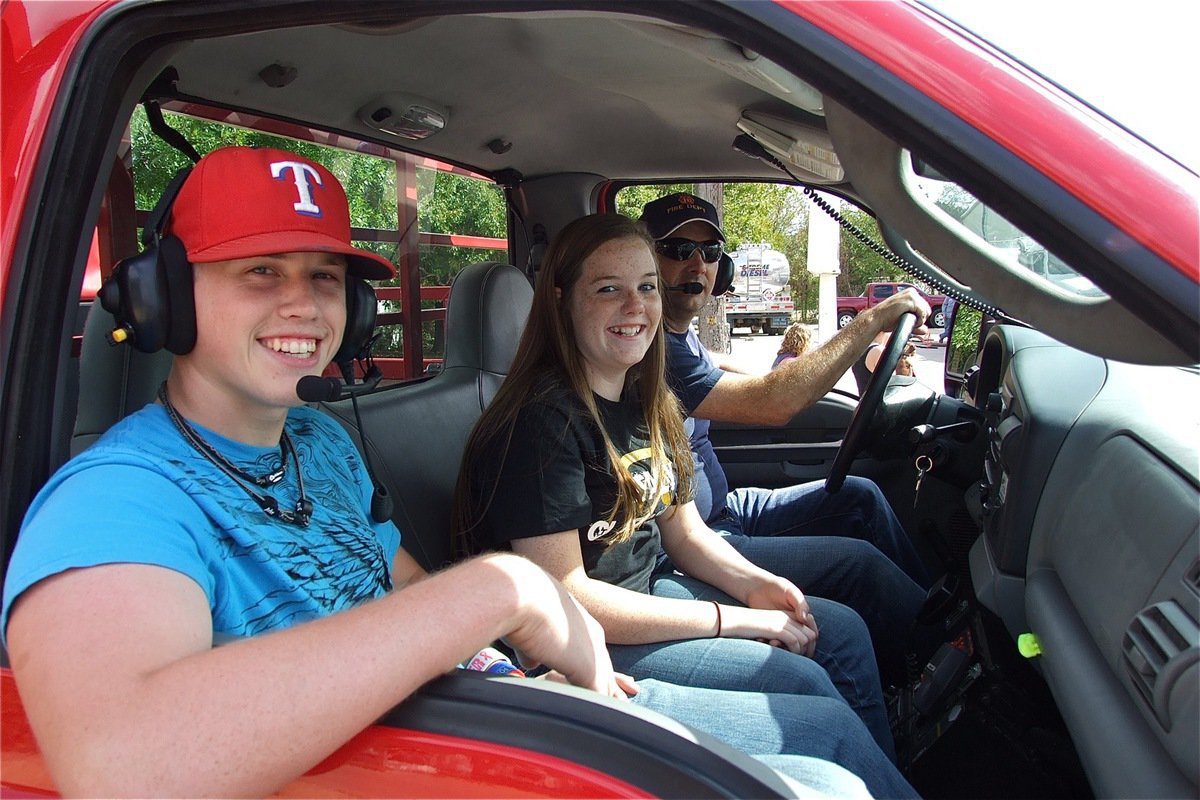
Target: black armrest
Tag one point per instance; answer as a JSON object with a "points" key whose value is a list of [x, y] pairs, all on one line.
{"points": [[641, 747]]}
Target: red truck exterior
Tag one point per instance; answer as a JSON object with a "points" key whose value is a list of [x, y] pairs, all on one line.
{"points": [[850, 307]]}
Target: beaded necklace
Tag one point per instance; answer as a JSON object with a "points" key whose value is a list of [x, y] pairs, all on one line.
{"points": [[300, 515]]}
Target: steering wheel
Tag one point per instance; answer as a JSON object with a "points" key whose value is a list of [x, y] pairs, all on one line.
{"points": [[868, 404]]}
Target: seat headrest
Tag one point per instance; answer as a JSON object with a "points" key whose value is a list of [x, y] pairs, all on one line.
{"points": [[485, 316], [113, 381]]}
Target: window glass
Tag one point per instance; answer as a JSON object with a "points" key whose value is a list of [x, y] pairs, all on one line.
{"points": [[1015, 244], [964, 339]]}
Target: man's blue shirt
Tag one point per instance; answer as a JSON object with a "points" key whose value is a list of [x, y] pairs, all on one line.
{"points": [[692, 373]]}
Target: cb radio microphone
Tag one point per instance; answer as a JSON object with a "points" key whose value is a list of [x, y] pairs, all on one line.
{"points": [[687, 288], [747, 145], [315, 389]]}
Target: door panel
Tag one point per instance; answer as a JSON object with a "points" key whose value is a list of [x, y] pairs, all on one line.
{"points": [[771, 457]]}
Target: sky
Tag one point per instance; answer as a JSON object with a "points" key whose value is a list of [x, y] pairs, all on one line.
{"points": [[1138, 62]]}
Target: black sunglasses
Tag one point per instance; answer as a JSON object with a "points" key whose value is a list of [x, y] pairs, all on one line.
{"points": [[680, 249]]}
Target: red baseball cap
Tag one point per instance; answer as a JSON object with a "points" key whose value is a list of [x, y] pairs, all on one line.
{"points": [[239, 202]]}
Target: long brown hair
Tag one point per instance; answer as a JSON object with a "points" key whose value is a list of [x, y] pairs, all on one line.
{"points": [[548, 357]]}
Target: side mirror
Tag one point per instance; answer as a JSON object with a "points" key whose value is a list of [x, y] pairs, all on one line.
{"points": [[962, 347]]}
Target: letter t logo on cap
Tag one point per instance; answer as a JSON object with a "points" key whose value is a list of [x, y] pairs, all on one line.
{"points": [[300, 174]]}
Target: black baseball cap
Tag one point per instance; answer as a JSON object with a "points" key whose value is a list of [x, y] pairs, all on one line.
{"points": [[666, 215]]}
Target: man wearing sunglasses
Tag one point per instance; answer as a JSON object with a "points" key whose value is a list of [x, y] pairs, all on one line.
{"points": [[854, 550]]}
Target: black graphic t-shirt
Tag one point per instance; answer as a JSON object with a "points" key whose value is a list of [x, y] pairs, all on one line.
{"points": [[556, 477]]}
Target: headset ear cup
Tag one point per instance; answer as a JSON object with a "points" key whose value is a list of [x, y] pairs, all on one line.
{"points": [[152, 297], [361, 307], [135, 297], [724, 277], [180, 314]]}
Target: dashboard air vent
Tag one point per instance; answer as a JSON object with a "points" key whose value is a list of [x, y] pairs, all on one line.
{"points": [[1161, 643], [1192, 577]]}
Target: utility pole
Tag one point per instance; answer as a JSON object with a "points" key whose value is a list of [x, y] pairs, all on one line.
{"points": [[824, 236], [714, 330]]}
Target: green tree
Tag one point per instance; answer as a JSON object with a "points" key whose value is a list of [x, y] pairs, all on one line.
{"points": [[372, 202], [859, 263], [631, 199], [450, 203]]}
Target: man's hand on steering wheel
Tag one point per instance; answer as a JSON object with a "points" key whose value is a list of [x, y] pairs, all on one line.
{"points": [[868, 404], [902, 302]]}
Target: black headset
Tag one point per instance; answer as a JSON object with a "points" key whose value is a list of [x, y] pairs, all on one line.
{"points": [[152, 297], [724, 277]]}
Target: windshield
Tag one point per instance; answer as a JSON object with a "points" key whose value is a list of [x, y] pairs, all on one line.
{"points": [[1125, 60]]}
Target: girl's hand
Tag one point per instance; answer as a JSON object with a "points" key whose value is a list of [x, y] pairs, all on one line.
{"points": [[782, 595], [779, 628]]}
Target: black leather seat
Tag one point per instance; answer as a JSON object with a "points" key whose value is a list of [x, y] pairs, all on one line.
{"points": [[417, 432], [113, 381]]}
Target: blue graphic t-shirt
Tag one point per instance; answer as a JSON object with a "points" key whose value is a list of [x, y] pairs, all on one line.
{"points": [[143, 495]]}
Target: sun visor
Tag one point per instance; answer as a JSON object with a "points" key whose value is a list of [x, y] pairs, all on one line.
{"points": [[798, 145]]}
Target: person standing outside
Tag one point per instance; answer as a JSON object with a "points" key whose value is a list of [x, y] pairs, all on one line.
{"points": [[794, 344], [948, 306]]}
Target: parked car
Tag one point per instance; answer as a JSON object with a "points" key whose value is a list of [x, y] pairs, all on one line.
{"points": [[1065, 455], [877, 291]]}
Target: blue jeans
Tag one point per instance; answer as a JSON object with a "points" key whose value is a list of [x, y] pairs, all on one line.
{"points": [[858, 511], [847, 546], [843, 666], [776, 728]]}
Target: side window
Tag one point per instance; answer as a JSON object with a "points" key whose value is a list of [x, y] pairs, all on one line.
{"points": [[883, 290], [430, 219], [462, 219]]}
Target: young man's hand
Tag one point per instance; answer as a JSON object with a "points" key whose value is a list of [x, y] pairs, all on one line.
{"points": [[555, 630], [624, 686]]}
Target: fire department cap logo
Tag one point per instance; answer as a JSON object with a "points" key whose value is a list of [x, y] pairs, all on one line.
{"points": [[664, 216], [240, 202]]}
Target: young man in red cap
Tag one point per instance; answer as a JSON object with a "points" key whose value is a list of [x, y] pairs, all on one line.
{"points": [[229, 509]]}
